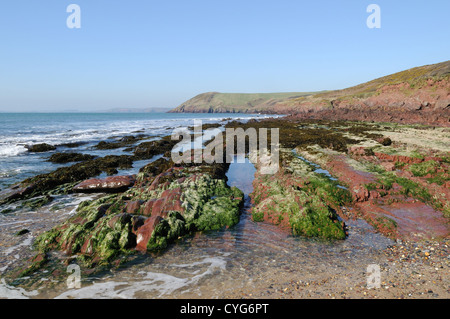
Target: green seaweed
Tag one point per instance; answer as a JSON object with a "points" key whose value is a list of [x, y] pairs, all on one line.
{"points": [[424, 168]]}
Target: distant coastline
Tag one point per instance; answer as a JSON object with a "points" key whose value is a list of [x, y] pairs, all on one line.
{"points": [[114, 110], [139, 110]]}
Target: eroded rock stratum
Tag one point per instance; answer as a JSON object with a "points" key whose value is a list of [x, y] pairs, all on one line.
{"points": [[156, 211]]}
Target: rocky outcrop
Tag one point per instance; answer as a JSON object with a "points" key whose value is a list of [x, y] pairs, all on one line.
{"points": [[61, 158], [63, 179], [298, 200], [112, 184], [163, 205], [15, 192], [40, 148], [423, 103]]}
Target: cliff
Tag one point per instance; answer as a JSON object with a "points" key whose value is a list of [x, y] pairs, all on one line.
{"points": [[417, 95]]}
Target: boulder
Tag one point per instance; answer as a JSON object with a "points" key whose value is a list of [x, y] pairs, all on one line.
{"points": [[39, 148], [15, 192], [113, 184], [133, 207], [60, 158], [388, 166]]}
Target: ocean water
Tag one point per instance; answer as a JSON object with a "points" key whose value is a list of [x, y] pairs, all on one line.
{"points": [[205, 265], [20, 129]]}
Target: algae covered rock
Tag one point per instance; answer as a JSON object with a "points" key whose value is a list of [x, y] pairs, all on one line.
{"points": [[61, 158], [299, 200], [54, 181], [95, 232], [217, 213], [148, 217], [40, 148]]}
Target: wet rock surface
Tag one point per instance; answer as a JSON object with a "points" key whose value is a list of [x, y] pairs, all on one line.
{"points": [[62, 180], [158, 210], [106, 185], [60, 158], [121, 142], [299, 200], [399, 188], [39, 148]]}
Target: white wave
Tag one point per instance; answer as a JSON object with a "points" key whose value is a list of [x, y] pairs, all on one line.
{"points": [[9, 292], [9, 173], [159, 283], [9, 150]]}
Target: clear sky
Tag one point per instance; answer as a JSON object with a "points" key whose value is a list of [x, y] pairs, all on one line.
{"points": [[145, 53]]}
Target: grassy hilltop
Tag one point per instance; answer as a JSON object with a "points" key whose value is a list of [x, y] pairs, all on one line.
{"points": [[420, 87]]}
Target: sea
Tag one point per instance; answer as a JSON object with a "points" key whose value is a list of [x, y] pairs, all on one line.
{"points": [[228, 263], [17, 130]]}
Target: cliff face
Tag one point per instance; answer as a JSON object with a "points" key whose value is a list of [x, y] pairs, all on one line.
{"points": [[401, 103], [418, 95]]}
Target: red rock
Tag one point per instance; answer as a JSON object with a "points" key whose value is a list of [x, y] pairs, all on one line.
{"points": [[170, 200], [133, 207], [166, 193], [156, 181], [388, 166], [361, 194], [428, 104], [172, 195], [158, 206], [122, 218], [442, 104], [374, 194], [147, 210], [144, 233], [172, 206], [177, 206], [433, 158], [87, 246], [110, 184], [165, 185], [407, 174], [399, 158]]}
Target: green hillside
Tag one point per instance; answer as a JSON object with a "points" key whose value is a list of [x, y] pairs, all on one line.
{"points": [[214, 102]]}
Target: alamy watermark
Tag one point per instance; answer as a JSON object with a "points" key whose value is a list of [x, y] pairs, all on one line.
{"points": [[374, 20], [237, 143], [73, 21], [74, 279], [373, 276]]}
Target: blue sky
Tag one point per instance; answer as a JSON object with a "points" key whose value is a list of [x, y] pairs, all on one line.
{"points": [[161, 53]]}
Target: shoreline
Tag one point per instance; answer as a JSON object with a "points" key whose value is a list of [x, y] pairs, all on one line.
{"points": [[395, 269]]}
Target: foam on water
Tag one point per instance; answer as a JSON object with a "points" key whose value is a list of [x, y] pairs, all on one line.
{"points": [[18, 133], [11, 149], [19, 130], [9, 292], [150, 283]]}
